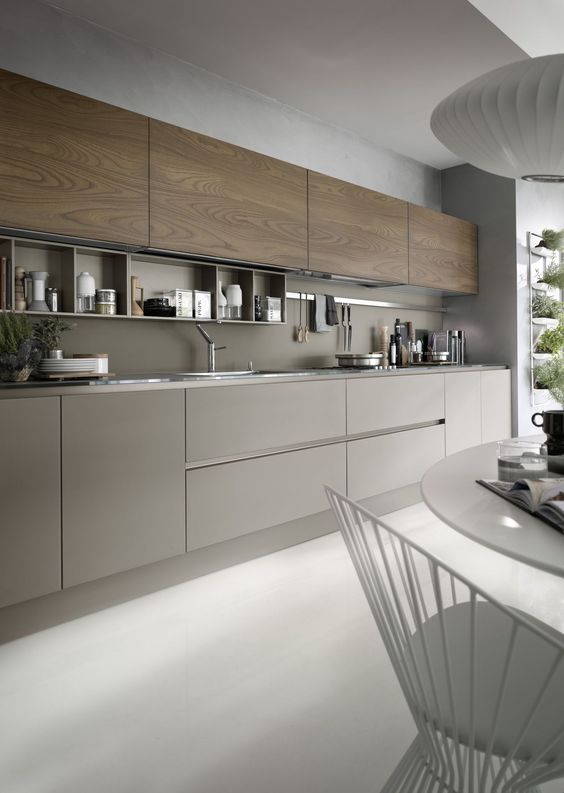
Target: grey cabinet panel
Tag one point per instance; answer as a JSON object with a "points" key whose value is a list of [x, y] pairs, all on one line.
{"points": [[496, 405], [30, 492], [233, 420], [123, 482], [386, 462], [463, 406], [232, 499], [383, 402]]}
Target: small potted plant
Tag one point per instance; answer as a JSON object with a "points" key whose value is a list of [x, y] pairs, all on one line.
{"points": [[19, 350], [550, 376], [550, 242], [544, 305], [551, 341], [48, 333]]}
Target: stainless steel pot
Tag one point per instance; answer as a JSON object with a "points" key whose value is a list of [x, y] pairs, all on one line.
{"points": [[364, 360]]}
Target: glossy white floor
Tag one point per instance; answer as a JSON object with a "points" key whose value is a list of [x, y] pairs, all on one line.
{"points": [[267, 677]]}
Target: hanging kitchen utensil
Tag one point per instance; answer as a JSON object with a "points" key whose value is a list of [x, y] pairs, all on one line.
{"points": [[349, 325], [344, 327], [300, 331], [306, 329]]}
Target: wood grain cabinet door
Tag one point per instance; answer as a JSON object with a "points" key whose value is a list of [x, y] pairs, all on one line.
{"points": [[442, 251], [216, 199], [71, 165], [356, 232]]}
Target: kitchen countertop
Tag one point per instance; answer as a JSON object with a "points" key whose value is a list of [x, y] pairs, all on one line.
{"points": [[168, 380]]}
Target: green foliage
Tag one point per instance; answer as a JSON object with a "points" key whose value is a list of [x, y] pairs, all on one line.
{"points": [[554, 240], [48, 332], [554, 275], [545, 306], [551, 341], [550, 375], [15, 329]]}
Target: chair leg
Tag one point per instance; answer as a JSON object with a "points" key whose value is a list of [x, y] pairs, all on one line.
{"points": [[414, 774]]}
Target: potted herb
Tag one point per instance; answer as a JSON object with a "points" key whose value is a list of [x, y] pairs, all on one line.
{"points": [[48, 333], [553, 275], [550, 375], [551, 341], [551, 239], [19, 350], [545, 306]]}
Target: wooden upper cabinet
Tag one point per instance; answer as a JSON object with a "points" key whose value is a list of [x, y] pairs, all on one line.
{"points": [[442, 251], [213, 198], [71, 165], [356, 232]]}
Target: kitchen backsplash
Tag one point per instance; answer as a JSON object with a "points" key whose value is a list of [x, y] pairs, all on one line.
{"points": [[143, 346]]}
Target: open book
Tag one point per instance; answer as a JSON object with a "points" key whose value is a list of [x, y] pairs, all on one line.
{"points": [[543, 498]]}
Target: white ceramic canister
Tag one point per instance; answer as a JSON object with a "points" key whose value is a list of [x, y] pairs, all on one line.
{"points": [[85, 292], [234, 301]]}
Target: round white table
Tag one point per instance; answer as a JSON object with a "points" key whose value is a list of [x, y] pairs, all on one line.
{"points": [[450, 490]]}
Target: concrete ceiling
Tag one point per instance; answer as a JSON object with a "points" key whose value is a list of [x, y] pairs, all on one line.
{"points": [[375, 67]]}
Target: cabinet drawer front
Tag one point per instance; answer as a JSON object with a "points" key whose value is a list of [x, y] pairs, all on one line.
{"points": [[463, 411], [380, 403], [496, 405], [233, 420], [123, 482], [229, 500], [30, 493], [375, 465]]}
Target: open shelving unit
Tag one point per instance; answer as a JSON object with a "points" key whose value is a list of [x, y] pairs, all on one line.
{"points": [[157, 274], [537, 325]]}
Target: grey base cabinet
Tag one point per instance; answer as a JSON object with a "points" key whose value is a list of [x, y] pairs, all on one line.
{"points": [[233, 499], [30, 489], [387, 462], [477, 408], [123, 482]]}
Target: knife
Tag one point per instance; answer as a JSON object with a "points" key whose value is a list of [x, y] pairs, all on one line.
{"points": [[349, 324]]}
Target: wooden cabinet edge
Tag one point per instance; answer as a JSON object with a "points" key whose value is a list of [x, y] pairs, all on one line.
{"points": [[427, 273]]}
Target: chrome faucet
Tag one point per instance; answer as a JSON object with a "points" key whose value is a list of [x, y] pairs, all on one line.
{"points": [[212, 349]]}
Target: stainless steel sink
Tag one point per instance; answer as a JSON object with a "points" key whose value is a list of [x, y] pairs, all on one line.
{"points": [[240, 373]]}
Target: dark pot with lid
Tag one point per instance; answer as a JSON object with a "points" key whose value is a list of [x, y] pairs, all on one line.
{"points": [[552, 423]]}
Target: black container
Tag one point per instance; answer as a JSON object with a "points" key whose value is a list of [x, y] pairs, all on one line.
{"points": [[552, 423], [158, 307]]}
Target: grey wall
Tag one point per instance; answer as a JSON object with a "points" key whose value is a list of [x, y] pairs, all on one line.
{"points": [[497, 318], [490, 318], [137, 346]]}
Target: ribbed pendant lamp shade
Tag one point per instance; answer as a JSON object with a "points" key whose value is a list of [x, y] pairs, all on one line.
{"points": [[509, 121]]}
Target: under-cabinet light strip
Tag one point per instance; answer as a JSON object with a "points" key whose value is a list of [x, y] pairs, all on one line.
{"points": [[354, 301]]}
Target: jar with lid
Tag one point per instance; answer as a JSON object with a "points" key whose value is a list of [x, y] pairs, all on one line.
{"points": [[85, 293]]}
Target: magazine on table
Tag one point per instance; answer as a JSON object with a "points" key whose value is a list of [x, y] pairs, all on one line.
{"points": [[543, 498]]}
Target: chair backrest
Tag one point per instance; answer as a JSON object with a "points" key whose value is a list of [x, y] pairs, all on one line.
{"points": [[484, 682]]}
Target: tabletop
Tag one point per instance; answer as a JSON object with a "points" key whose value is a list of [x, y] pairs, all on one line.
{"points": [[450, 490]]}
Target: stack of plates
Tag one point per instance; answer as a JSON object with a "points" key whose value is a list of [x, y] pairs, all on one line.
{"points": [[67, 365]]}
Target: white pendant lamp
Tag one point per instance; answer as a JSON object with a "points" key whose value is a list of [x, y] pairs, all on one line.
{"points": [[509, 121]]}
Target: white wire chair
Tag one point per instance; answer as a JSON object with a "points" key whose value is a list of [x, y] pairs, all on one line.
{"points": [[484, 683]]}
